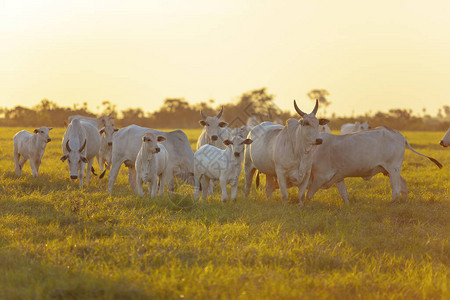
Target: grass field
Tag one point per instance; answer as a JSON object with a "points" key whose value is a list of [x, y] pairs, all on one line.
{"points": [[60, 242]]}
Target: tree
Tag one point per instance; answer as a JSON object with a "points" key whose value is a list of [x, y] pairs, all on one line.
{"points": [[321, 95]]}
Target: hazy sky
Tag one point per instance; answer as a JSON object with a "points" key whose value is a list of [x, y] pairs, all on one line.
{"points": [[370, 55]]}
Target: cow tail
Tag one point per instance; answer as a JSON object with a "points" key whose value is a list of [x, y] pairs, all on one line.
{"points": [[430, 158], [93, 171], [257, 179]]}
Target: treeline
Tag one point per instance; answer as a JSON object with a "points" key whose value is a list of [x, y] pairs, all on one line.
{"points": [[178, 113]]}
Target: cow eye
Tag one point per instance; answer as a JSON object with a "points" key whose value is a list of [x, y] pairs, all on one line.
{"points": [[207, 124]]}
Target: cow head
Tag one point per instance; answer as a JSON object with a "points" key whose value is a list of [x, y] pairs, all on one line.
{"points": [[74, 158], [150, 143], [445, 142], [364, 126], [212, 125], [43, 134], [108, 132], [237, 145], [310, 125]]}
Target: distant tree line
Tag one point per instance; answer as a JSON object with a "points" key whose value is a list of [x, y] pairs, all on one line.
{"points": [[178, 113]]}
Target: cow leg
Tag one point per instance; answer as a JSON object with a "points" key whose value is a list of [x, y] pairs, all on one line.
{"points": [[249, 172], [211, 186], [82, 167], [17, 165], [396, 184], [234, 190], [196, 187], [154, 184], [313, 187], [205, 186], [113, 175], [283, 187], [34, 164], [140, 185], [404, 188], [88, 173], [302, 187], [342, 190], [132, 177], [223, 185], [22, 163], [269, 185]]}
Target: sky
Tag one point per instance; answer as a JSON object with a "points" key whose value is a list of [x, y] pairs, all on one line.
{"points": [[370, 55]]}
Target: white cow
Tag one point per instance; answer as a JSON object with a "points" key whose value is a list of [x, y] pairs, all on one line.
{"points": [[350, 127], [241, 131], [32, 147], [445, 142], [284, 152], [324, 128], [105, 124], [151, 164], [224, 165], [214, 131], [80, 146], [362, 154], [127, 143]]}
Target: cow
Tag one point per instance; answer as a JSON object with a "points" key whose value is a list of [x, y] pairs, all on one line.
{"points": [[127, 143], [30, 146], [350, 127], [241, 131], [211, 162], [324, 128], [105, 125], [284, 152], [214, 131], [362, 154], [80, 145], [253, 121], [445, 142], [151, 164]]}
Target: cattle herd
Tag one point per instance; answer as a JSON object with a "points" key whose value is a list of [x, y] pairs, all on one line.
{"points": [[302, 154]]}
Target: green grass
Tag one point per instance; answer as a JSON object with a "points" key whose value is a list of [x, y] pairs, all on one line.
{"points": [[57, 241]]}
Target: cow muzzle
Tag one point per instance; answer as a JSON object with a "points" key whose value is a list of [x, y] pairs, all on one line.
{"points": [[214, 137], [237, 154], [443, 144], [157, 150], [73, 176], [318, 142], [109, 143], [49, 140]]}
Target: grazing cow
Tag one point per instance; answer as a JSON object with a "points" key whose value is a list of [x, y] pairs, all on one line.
{"points": [[445, 142], [214, 131], [80, 146], [105, 124], [32, 147], [253, 121], [151, 164], [127, 143], [224, 165], [324, 128], [284, 152], [350, 127], [105, 152], [362, 154]]}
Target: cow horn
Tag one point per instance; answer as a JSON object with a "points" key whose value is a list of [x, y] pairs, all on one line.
{"points": [[315, 107], [82, 147], [299, 111], [203, 116], [220, 114], [67, 146]]}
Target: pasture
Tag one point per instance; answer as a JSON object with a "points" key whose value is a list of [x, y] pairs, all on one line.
{"points": [[57, 241]]}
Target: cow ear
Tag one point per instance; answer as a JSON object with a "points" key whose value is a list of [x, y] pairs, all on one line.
{"points": [[161, 139], [227, 142], [202, 122], [50, 128], [248, 141], [323, 121], [102, 130], [84, 159], [63, 158], [36, 131], [223, 124], [116, 129]]}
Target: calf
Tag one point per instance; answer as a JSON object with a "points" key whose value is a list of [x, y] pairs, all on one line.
{"points": [[350, 127], [151, 162], [32, 147], [225, 165]]}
